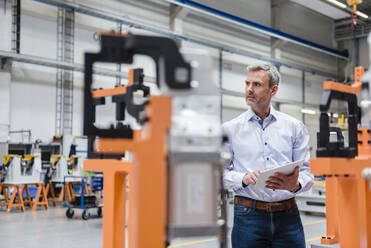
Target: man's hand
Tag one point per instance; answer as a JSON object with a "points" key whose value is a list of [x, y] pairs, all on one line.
{"points": [[286, 182], [251, 178]]}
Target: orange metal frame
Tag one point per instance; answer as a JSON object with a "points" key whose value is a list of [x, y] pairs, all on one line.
{"points": [[347, 201], [147, 178], [352, 89], [114, 91], [50, 189], [10, 203], [41, 198], [347, 195]]}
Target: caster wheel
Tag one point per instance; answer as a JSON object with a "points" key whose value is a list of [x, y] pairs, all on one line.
{"points": [[85, 215], [99, 212], [70, 213]]}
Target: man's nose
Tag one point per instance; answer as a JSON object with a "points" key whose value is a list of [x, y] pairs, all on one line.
{"points": [[249, 89]]}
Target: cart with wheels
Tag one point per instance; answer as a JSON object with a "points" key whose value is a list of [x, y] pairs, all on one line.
{"points": [[83, 201]]}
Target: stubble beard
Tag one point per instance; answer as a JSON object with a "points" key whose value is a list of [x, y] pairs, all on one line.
{"points": [[251, 103]]}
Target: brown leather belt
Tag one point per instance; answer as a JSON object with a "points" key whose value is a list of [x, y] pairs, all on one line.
{"points": [[266, 206]]}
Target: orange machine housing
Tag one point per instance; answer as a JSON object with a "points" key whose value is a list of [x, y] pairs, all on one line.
{"points": [[147, 178], [146, 175], [347, 194]]}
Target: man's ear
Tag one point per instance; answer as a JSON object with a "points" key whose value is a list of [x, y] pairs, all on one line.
{"points": [[274, 89]]}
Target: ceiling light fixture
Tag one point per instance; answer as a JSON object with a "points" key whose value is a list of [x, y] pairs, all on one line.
{"points": [[339, 4], [362, 14], [308, 111]]}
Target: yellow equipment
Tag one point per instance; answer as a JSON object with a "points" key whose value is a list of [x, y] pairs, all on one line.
{"points": [[354, 4]]}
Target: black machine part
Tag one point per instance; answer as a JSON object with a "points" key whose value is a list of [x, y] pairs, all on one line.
{"points": [[334, 145], [89, 201], [126, 100], [170, 68], [123, 101], [50, 171], [26, 166], [136, 110], [4, 169], [324, 147]]}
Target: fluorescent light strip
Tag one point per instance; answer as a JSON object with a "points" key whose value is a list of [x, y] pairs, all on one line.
{"points": [[308, 111], [343, 6], [361, 14], [339, 4]]}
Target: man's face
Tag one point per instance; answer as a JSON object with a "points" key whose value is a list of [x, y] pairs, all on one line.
{"points": [[257, 89]]}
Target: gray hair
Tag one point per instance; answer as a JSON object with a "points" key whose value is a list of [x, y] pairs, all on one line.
{"points": [[273, 74]]}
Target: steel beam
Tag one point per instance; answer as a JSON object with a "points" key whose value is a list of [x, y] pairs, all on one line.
{"points": [[118, 17], [30, 59]]}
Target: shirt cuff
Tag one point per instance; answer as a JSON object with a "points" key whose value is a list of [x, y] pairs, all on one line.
{"points": [[300, 188], [239, 178]]}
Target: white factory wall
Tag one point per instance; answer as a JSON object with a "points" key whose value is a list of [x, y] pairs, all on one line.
{"points": [[252, 11], [33, 87], [5, 22], [5, 79], [363, 56], [4, 105], [302, 22]]}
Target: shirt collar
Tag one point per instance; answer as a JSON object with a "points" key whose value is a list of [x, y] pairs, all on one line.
{"points": [[250, 114], [273, 113]]}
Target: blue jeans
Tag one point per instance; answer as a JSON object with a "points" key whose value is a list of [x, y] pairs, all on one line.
{"points": [[258, 228]]}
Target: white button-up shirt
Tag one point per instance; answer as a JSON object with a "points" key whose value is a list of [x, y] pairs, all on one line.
{"points": [[258, 145]]}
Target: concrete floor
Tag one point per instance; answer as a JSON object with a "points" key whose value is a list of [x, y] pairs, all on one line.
{"points": [[45, 229]]}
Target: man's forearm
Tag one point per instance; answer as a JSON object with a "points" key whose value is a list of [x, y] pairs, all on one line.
{"points": [[233, 179]]}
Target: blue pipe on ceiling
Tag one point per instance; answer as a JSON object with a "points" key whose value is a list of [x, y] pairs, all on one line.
{"points": [[267, 30], [278, 64]]}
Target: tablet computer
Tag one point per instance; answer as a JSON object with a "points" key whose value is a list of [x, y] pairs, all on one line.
{"points": [[284, 169]]}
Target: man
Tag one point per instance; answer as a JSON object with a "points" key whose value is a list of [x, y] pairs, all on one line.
{"points": [[263, 138]]}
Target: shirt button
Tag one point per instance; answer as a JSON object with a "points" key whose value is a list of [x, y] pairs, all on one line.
{"points": [[267, 158], [265, 143]]}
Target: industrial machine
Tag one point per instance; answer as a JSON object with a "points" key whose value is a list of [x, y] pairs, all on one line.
{"points": [[57, 170], [61, 167], [20, 148], [64, 158], [18, 170], [175, 174], [47, 151], [347, 195]]}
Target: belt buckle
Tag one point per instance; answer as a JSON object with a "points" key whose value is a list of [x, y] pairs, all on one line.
{"points": [[268, 207]]}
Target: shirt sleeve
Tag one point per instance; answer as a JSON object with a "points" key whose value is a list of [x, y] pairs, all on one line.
{"points": [[231, 178], [301, 152]]}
